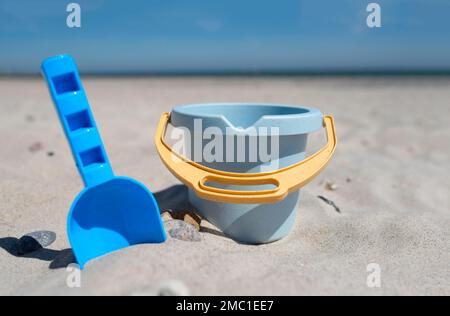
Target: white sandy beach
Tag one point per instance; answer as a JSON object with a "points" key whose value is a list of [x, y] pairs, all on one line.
{"points": [[392, 170]]}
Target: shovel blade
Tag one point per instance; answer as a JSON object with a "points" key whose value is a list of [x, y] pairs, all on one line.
{"points": [[112, 216]]}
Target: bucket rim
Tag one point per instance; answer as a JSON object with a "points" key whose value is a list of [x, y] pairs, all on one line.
{"points": [[304, 119]]}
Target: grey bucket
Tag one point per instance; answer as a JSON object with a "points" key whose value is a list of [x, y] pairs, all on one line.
{"points": [[249, 223]]}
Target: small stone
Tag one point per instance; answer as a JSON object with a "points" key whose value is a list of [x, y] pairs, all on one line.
{"points": [[45, 238], [173, 288], [331, 186], [50, 154], [166, 216], [348, 180], [181, 230], [35, 241], [35, 147]]}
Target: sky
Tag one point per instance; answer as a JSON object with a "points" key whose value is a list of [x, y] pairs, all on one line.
{"points": [[226, 36]]}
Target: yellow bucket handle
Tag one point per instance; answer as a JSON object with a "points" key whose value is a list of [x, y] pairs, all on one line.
{"points": [[286, 180]]}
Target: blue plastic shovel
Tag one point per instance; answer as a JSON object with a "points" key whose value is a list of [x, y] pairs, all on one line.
{"points": [[111, 213]]}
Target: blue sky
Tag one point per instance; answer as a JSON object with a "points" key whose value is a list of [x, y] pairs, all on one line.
{"points": [[153, 36]]}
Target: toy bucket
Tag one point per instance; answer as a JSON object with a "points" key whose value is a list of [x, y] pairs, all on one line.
{"points": [[251, 199]]}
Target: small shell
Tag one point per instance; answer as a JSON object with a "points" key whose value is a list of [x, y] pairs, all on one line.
{"points": [[193, 220], [331, 186]]}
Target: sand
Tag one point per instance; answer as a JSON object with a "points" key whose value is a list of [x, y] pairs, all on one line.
{"points": [[391, 168]]}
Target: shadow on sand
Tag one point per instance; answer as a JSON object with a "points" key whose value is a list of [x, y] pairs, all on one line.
{"points": [[176, 198], [58, 259]]}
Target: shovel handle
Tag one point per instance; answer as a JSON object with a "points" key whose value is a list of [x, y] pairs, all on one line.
{"points": [[285, 181], [77, 120]]}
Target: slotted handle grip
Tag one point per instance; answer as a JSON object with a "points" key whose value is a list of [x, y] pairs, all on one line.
{"points": [[77, 120]]}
